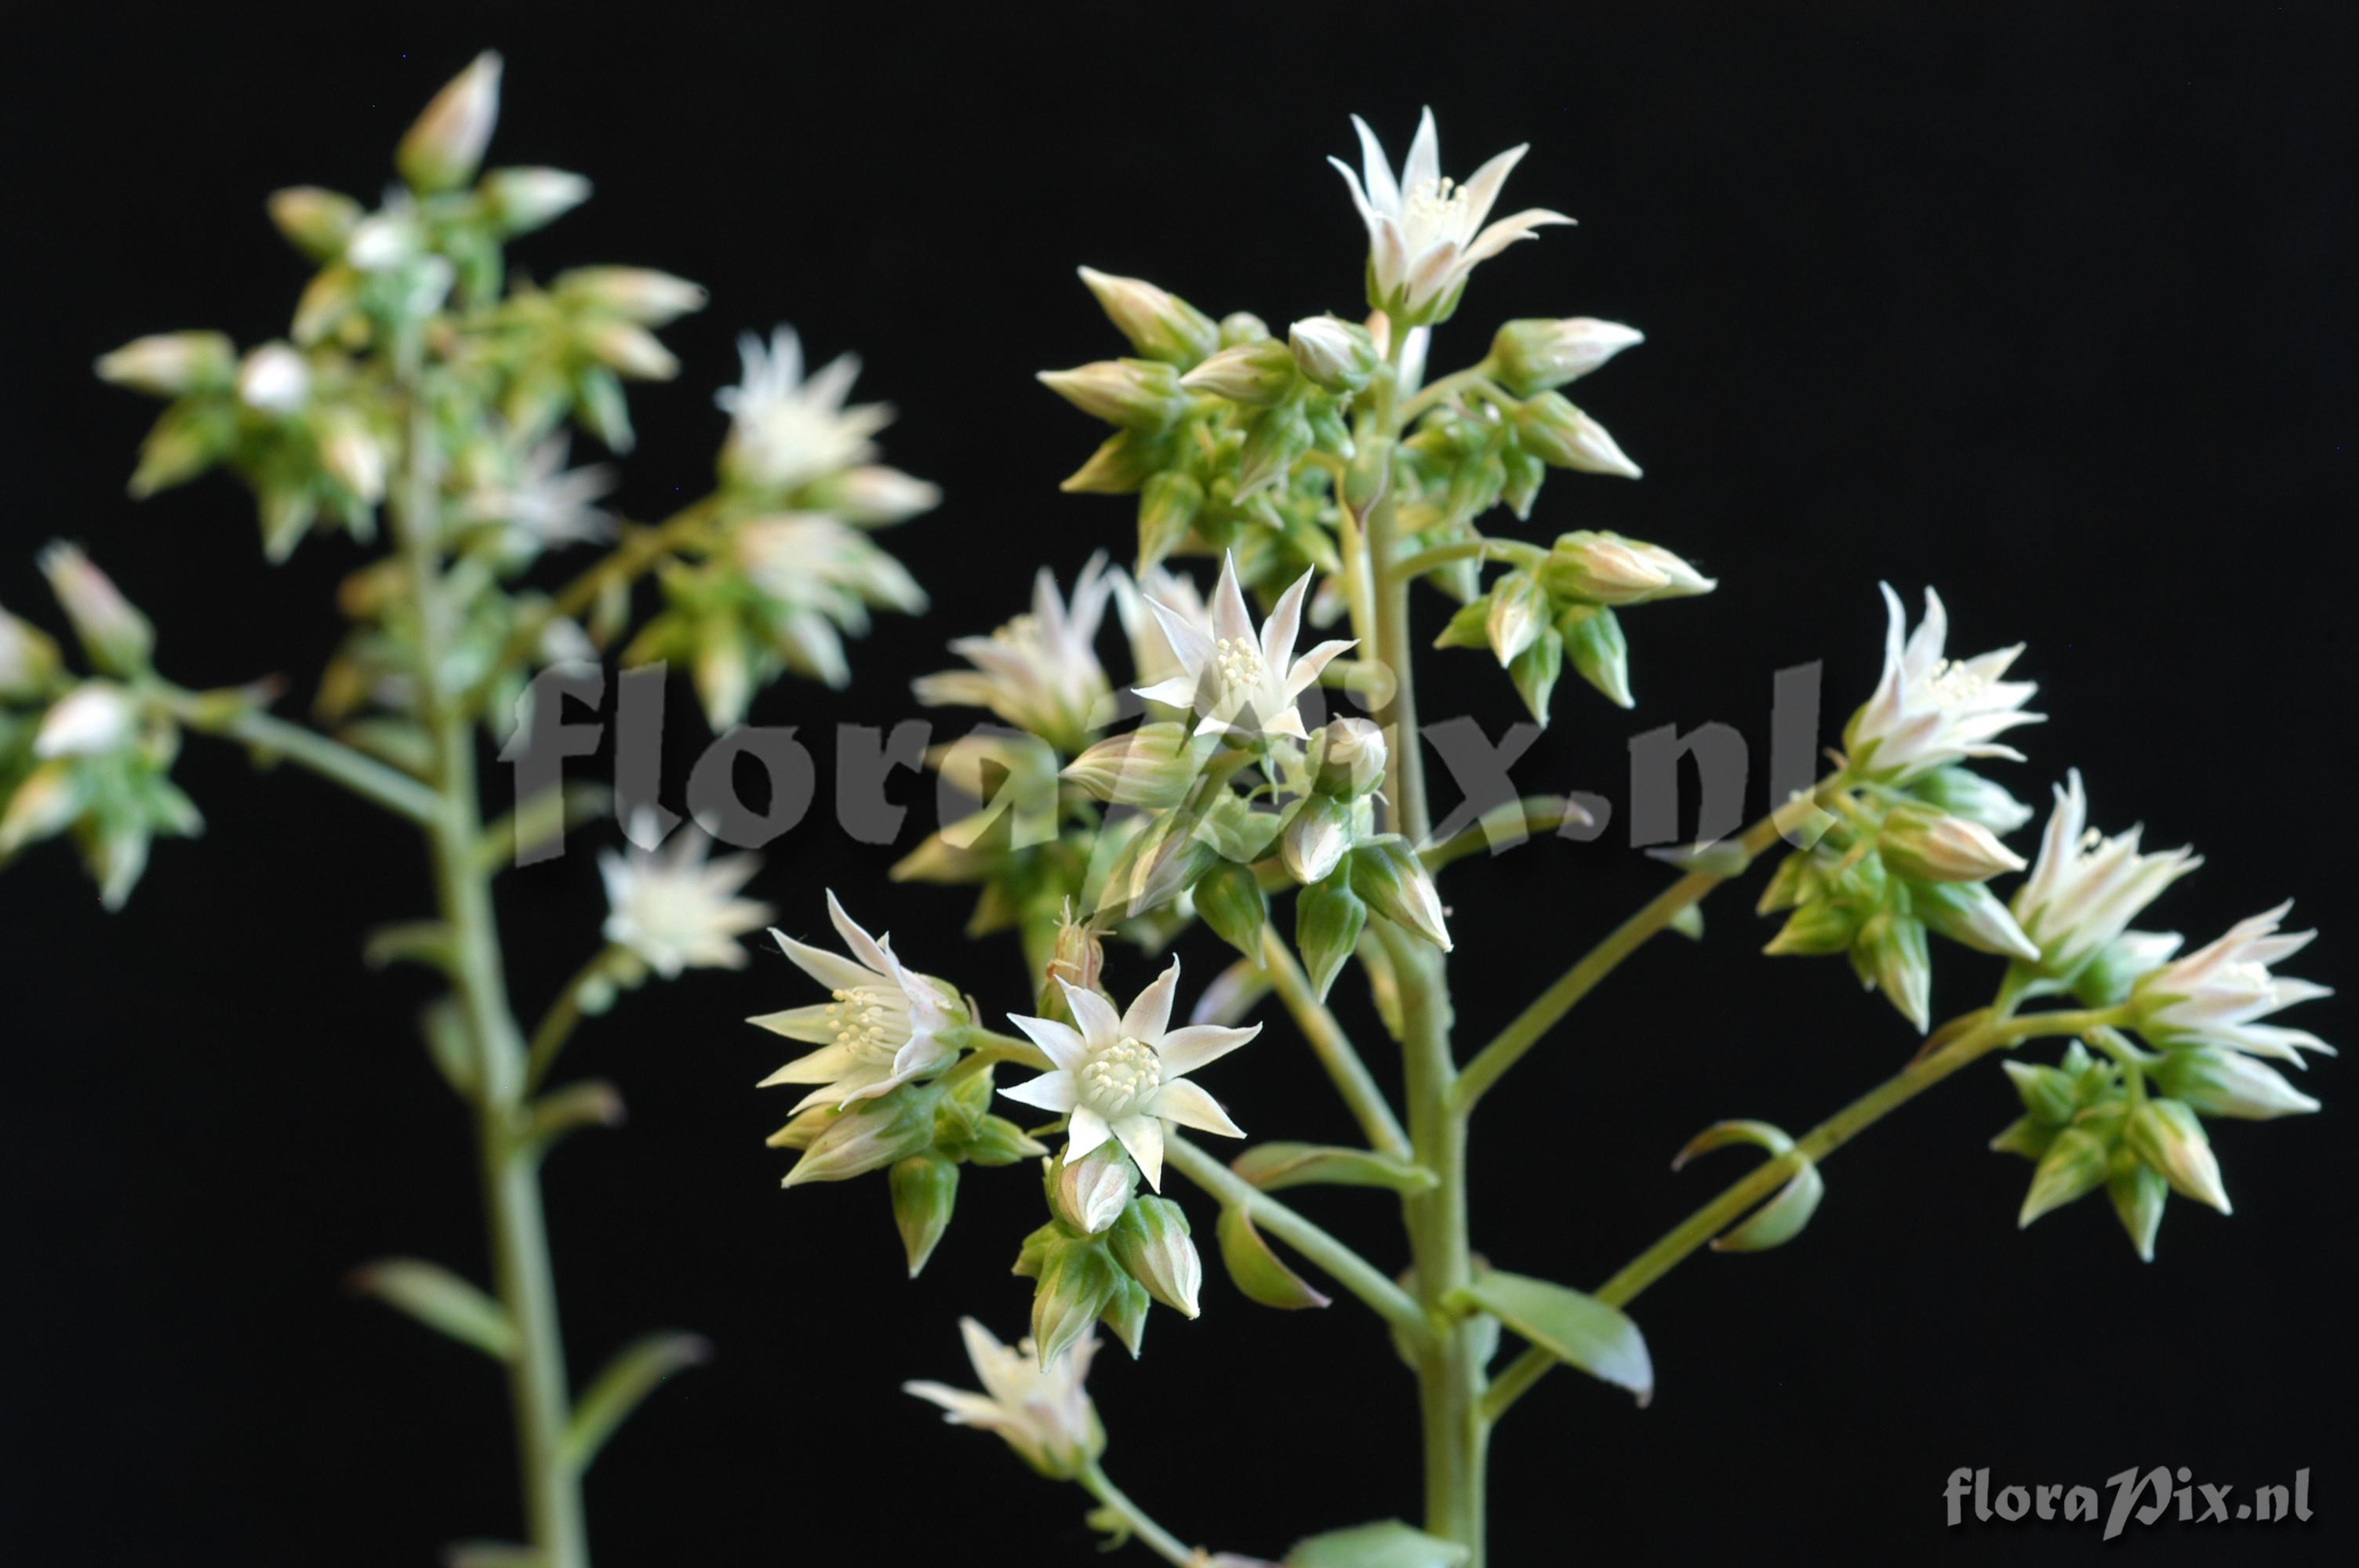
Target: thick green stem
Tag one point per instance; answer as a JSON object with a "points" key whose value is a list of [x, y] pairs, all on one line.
{"points": [[510, 1171], [333, 760]]}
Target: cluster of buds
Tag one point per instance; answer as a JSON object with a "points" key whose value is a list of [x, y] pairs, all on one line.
{"points": [[1561, 606], [1107, 1253]]}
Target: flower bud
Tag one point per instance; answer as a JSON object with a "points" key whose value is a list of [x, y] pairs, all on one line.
{"points": [[874, 1134], [1608, 569], [1963, 793], [117, 638], [1159, 325], [1126, 461], [1142, 394], [1535, 356], [1150, 767], [523, 200], [2138, 1192], [28, 659], [1518, 614], [170, 363], [1088, 1194], [639, 294], [1241, 327], [1353, 761], [1316, 840], [2217, 1082], [47, 800], [925, 1192], [1277, 438], [999, 1142], [1168, 506], [2165, 1134], [1152, 1244], [632, 350], [1229, 899], [1126, 1313], [1594, 642], [1926, 843], [1257, 374], [1387, 874], [1821, 926], [2075, 1166], [1336, 354], [96, 718], [1563, 437], [317, 221], [1327, 919], [1889, 955], [381, 241], [353, 456], [1973, 916], [873, 495], [444, 147], [2105, 980], [274, 379], [1077, 1282]]}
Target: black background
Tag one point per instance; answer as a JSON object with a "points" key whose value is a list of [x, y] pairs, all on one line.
{"points": [[2047, 305]]}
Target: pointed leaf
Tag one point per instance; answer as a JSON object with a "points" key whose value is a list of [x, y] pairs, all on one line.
{"points": [[1574, 1328], [1257, 1268], [1390, 1544], [449, 1045], [1780, 1219], [628, 1379], [593, 1102], [1274, 1167], [411, 941], [442, 1301]]}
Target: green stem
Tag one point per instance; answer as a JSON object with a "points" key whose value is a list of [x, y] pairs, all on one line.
{"points": [[1351, 1270], [1332, 1045], [564, 1015], [1473, 377], [1517, 819], [333, 760], [1513, 550], [1164, 1544], [1509, 1045], [1991, 1031], [521, 1271]]}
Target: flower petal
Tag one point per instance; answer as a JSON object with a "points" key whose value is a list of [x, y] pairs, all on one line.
{"points": [[1185, 1049], [1051, 1091], [1142, 1137], [1065, 1048], [1086, 1134], [1189, 1105], [1150, 1012], [1100, 1025]]}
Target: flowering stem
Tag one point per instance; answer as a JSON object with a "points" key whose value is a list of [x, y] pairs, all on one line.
{"points": [[564, 1015], [1533, 814], [333, 760], [1351, 1270], [641, 551], [1993, 1030], [1509, 1045], [522, 1275], [1473, 377], [1165, 1544], [1332, 1046], [1515, 550]]}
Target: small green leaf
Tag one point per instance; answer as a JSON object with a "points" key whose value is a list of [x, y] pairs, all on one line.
{"points": [[1389, 1544], [491, 1554], [412, 941], [1257, 1268], [593, 1102], [449, 1044], [629, 1377], [442, 1301], [1574, 1328], [1721, 1134], [1780, 1219], [1274, 1167]]}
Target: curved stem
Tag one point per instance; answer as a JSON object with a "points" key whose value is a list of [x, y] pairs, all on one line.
{"points": [[1521, 819], [1332, 1046], [1164, 1544], [1425, 560], [1349, 1269], [1473, 376], [330, 759], [640, 551], [1993, 1030], [564, 1015], [1509, 1045]]}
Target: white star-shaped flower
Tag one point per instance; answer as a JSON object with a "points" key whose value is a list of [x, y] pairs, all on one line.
{"points": [[1242, 684], [882, 1026], [2087, 888], [786, 431], [1123, 1075], [1425, 233], [1929, 710], [674, 910], [2217, 995], [1040, 671], [1043, 1413]]}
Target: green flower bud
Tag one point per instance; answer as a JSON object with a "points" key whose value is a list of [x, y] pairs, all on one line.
{"points": [[1151, 1242], [1519, 612], [1316, 839], [1088, 1195], [1142, 394], [1151, 767], [1229, 899], [1563, 437], [1930, 844], [1126, 1314], [1973, 916], [445, 146], [639, 294], [1387, 874], [1241, 327], [1606, 569], [1076, 1283], [1889, 955], [1257, 374], [1336, 354], [1535, 356], [518, 200], [46, 802], [172, 364], [117, 638], [2166, 1135], [1168, 506], [873, 1134], [2074, 1165], [925, 1191], [1963, 793], [1159, 325], [1126, 462], [1594, 642], [2105, 980], [1534, 671], [999, 1142], [1277, 438], [1352, 758], [2217, 1082], [315, 221], [1821, 926], [2138, 1192], [1328, 918], [28, 659]]}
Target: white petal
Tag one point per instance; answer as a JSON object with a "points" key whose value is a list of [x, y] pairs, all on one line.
{"points": [[1086, 1132], [1065, 1048], [1142, 1137], [821, 1066], [1100, 1024], [1051, 1091], [1384, 193], [1284, 623], [1189, 1105], [1424, 164], [1185, 1049], [1150, 1012], [833, 970], [862, 946]]}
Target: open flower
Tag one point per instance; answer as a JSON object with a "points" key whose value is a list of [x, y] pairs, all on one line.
{"points": [[1152, 657], [1122, 1077], [882, 1026], [1929, 710], [787, 432], [544, 505], [674, 910], [2217, 995], [1425, 233], [1043, 1413], [1242, 683], [1040, 671], [2087, 888]]}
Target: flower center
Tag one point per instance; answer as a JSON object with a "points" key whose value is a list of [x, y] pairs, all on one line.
{"points": [[1954, 684], [1238, 663], [1118, 1078], [868, 1020], [1433, 210]]}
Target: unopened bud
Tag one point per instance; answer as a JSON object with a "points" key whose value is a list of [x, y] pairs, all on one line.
{"points": [[925, 1193], [1608, 569], [1229, 899], [2217, 1082], [1327, 919], [1168, 505], [1561, 436], [1150, 767], [1519, 613], [2139, 1191], [172, 363], [1388, 875], [632, 350], [872, 1135], [2165, 1134], [1972, 916], [1241, 327], [1819, 927], [1088, 1194], [1279, 436], [274, 379], [1160, 324], [1151, 1242], [1353, 761], [382, 241], [1963, 793], [1139, 394], [1316, 839], [117, 638], [1076, 1283], [2106, 979], [1594, 642], [1257, 374], [1535, 356], [1338, 355], [28, 658], [445, 146], [1930, 844], [1889, 955], [316, 221], [2074, 1165], [523, 200], [353, 457], [96, 718]]}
